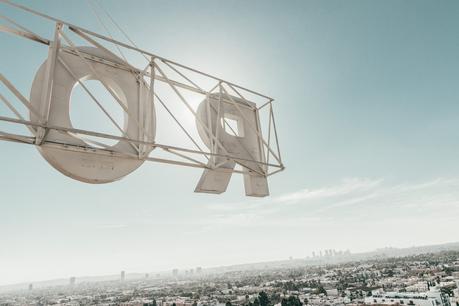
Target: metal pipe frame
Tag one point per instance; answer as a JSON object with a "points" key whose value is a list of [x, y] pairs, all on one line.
{"points": [[153, 72]]}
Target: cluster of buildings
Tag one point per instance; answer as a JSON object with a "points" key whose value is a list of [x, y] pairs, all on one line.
{"points": [[329, 253], [432, 297], [424, 280]]}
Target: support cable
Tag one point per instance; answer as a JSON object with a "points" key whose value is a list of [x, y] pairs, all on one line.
{"points": [[101, 22], [119, 28]]}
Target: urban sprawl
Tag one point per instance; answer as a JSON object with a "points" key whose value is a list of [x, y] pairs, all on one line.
{"points": [[323, 279]]}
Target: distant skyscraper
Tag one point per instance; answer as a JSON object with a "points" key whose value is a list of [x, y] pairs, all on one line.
{"points": [[147, 275], [175, 272], [72, 281], [123, 276], [198, 270], [30, 287], [313, 254]]}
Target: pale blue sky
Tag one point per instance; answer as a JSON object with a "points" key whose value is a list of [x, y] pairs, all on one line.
{"points": [[368, 118]]}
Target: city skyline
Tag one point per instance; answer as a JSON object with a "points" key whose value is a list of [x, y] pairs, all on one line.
{"points": [[316, 258], [424, 279], [368, 121]]}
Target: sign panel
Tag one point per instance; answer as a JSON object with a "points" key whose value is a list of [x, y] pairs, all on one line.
{"points": [[232, 129]]}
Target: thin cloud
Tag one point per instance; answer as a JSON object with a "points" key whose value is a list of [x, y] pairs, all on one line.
{"points": [[352, 199], [348, 186]]}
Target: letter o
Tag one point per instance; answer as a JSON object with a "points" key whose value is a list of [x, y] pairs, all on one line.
{"points": [[88, 166]]}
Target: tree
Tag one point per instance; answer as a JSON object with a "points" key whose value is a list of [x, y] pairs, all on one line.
{"points": [[449, 271], [256, 302], [154, 302], [321, 289], [447, 291], [291, 301], [264, 299], [275, 298], [228, 303]]}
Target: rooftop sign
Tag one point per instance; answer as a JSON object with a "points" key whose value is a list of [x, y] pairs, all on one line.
{"points": [[232, 128]]}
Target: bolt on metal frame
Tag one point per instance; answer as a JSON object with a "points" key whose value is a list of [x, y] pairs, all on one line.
{"points": [[149, 75]]}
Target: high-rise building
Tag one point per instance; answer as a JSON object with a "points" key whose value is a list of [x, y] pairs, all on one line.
{"points": [[198, 270], [175, 272], [72, 281], [123, 276], [30, 287]]}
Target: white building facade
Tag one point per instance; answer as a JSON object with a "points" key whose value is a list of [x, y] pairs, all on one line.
{"points": [[430, 298]]}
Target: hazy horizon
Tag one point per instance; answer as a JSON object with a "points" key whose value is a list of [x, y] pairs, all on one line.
{"points": [[168, 270], [368, 121]]}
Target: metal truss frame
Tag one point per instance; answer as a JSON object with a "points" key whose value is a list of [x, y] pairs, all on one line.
{"points": [[149, 74]]}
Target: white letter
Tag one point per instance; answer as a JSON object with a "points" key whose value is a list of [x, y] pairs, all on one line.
{"points": [[233, 133]]}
